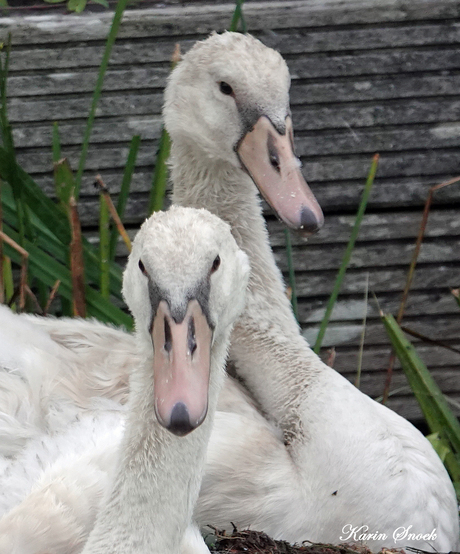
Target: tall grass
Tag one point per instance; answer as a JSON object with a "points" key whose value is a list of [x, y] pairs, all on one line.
{"points": [[347, 254], [45, 229], [121, 5]]}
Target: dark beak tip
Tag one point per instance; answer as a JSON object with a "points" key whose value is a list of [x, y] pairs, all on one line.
{"points": [[310, 223], [180, 424]]}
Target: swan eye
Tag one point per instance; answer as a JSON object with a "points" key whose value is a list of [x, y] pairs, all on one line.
{"points": [[142, 267], [215, 264], [225, 88]]}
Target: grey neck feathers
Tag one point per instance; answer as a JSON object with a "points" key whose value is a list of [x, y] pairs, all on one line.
{"points": [[267, 349]]}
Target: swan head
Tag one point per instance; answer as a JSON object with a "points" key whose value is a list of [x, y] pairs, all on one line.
{"points": [[229, 97], [185, 285]]}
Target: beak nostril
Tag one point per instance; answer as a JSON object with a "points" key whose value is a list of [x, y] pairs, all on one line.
{"points": [[273, 155], [274, 161], [191, 338], [168, 337]]}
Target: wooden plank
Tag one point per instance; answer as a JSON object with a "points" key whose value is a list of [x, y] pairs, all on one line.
{"points": [[385, 62], [336, 143], [185, 19], [371, 114], [376, 359], [323, 91], [351, 308], [99, 159], [403, 401], [356, 89], [141, 183], [322, 65], [329, 168], [77, 107], [374, 226], [407, 407], [378, 139], [436, 276], [387, 192], [110, 130], [136, 208], [309, 143], [340, 196], [391, 165], [128, 52], [305, 117], [300, 41], [54, 83], [375, 254], [436, 327], [373, 383], [149, 51]]}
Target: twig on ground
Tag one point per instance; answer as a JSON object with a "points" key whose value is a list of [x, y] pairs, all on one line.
{"points": [[76, 262], [113, 211], [51, 297]]}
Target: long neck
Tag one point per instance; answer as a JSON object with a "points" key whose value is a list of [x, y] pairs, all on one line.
{"points": [[266, 348], [158, 478]]}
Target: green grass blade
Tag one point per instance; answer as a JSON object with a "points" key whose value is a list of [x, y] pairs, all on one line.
{"points": [[56, 143], [48, 270], [160, 175], [238, 18], [51, 226], [363, 335], [56, 221], [8, 279], [121, 5], [9, 171], [440, 418], [41, 205], [124, 192], [435, 408], [64, 182], [76, 6], [291, 272], [347, 255], [104, 247], [2, 286]]}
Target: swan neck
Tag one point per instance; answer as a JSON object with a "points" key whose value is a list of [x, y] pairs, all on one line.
{"points": [[227, 191], [266, 348], [158, 476]]}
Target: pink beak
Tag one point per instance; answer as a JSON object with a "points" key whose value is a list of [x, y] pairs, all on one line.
{"points": [[181, 363], [269, 159]]}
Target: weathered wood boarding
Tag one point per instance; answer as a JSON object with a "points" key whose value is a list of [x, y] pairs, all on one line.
{"points": [[368, 76]]}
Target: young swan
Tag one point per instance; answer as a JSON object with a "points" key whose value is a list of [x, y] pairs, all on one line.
{"points": [[185, 285]]}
